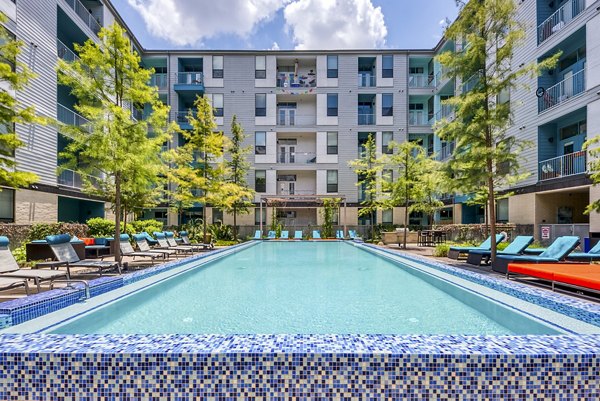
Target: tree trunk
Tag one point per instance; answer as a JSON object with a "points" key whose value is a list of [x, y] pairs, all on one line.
{"points": [[405, 222], [204, 225], [373, 226], [492, 202], [117, 217], [235, 223]]}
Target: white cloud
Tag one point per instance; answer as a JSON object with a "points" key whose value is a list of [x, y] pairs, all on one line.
{"points": [[335, 24], [187, 22], [275, 46]]}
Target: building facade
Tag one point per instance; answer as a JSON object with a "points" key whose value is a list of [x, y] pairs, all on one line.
{"points": [[308, 113]]}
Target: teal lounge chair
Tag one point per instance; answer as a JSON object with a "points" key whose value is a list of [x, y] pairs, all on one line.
{"points": [[456, 251], [142, 243], [64, 252], [197, 246], [556, 252], [514, 248], [589, 256], [316, 234], [257, 234], [298, 234], [271, 235], [339, 234], [352, 234], [164, 244], [127, 250], [284, 235]]}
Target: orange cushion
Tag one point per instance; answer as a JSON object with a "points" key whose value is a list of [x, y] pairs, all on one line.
{"points": [[586, 280], [88, 241], [543, 271]]}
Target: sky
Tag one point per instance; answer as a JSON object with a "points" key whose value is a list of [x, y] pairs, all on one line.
{"points": [[286, 24]]}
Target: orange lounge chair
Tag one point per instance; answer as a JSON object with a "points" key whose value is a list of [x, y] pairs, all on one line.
{"points": [[575, 275]]}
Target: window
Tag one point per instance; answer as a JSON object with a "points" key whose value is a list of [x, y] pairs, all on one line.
{"points": [[260, 181], [415, 106], [332, 104], [7, 205], [386, 178], [217, 66], [217, 103], [332, 181], [573, 130], [502, 210], [387, 104], [415, 70], [332, 143], [387, 68], [257, 216], [332, 66], [260, 69], [386, 138], [446, 214], [261, 105], [365, 219], [217, 215], [260, 143], [387, 216]]}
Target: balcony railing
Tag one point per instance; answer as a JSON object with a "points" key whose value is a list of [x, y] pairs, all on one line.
{"points": [[296, 157], [366, 119], [420, 81], [69, 117], [85, 15], [563, 166], [471, 82], [291, 119], [560, 19], [301, 81], [446, 151], [440, 76], [296, 192], [190, 78], [562, 91], [446, 111], [182, 116], [160, 81], [417, 118], [366, 80], [72, 179], [64, 52]]}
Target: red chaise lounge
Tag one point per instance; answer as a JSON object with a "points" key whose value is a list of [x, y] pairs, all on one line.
{"points": [[576, 275]]}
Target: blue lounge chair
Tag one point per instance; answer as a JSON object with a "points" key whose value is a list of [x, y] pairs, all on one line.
{"points": [[514, 248], [456, 251], [151, 241], [316, 234], [589, 256], [271, 235], [339, 234], [285, 235], [298, 234], [64, 252], [352, 234], [556, 252], [257, 234]]}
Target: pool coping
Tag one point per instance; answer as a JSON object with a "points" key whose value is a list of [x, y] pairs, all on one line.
{"points": [[588, 345]]}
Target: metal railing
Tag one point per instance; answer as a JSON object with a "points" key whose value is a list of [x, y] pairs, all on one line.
{"points": [[293, 119], [296, 157], [446, 111], [471, 82], [417, 118], [69, 117], [561, 18], [563, 166], [302, 81], [73, 179], [440, 77], [420, 81], [366, 80], [366, 119], [189, 78], [64, 52], [85, 15], [562, 91], [296, 192], [446, 151], [160, 81]]}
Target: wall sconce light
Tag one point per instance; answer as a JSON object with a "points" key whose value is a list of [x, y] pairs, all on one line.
{"points": [[551, 139]]}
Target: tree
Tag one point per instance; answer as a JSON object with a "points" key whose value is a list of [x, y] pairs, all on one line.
{"points": [[114, 153], [428, 189], [238, 168], [367, 167], [591, 146], [330, 206], [16, 76], [485, 158]]}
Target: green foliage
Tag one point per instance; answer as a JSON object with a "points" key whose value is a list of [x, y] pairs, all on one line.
{"points": [[148, 226], [225, 243], [100, 227], [20, 255], [441, 250], [14, 75], [330, 206], [220, 231], [591, 146]]}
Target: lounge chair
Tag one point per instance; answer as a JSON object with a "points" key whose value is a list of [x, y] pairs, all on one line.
{"points": [[456, 251], [352, 234], [164, 244], [556, 252], [127, 250], [271, 235], [11, 273], [8, 283], [199, 246], [170, 237], [151, 241], [285, 235], [316, 234], [514, 248], [339, 234], [142, 244], [298, 235], [64, 252], [589, 256], [257, 235], [576, 275]]}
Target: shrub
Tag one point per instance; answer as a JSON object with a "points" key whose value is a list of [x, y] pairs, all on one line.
{"points": [[441, 250], [149, 226], [220, 231], [99, 227], [225, 243], [41, 230], [19, 254]]}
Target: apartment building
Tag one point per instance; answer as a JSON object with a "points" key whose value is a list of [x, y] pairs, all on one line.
{"points": [[308, 113]]}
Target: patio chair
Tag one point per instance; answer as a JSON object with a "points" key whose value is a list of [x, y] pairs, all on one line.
{"points": [[316, 234], [589, 256], [127, 250], [271, 235], [556, 252], [10, 272], [8, 283], [514, 248], [199, 246], [64, 252], [339, 234], [164, 244], [151, 241], [257, 235], [298, 235], [352, 234], [456, 251], [285, 235], [144, 246], [170, 237]]}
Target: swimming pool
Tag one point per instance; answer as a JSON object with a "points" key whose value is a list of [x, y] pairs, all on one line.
{"points": [[491, 364]]}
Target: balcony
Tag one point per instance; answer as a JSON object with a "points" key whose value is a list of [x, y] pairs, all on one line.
{"points": [[563, 166], [420, 81], [64, 52], [417, 118], [182, 119], [366, 80], [160, 81], [68, 117], [446, 151], [92, 22], [72, 179], [289, 118], [446, 112], [471, 82], [562, 91], [366, 119], [296, 157], [189, 82], [292, 81], [560, 19]]}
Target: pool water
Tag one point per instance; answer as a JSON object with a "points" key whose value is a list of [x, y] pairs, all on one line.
{"points": [[304, 288]]}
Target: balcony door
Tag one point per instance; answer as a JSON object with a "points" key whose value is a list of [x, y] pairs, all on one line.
{"points": [[287, 150]]}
